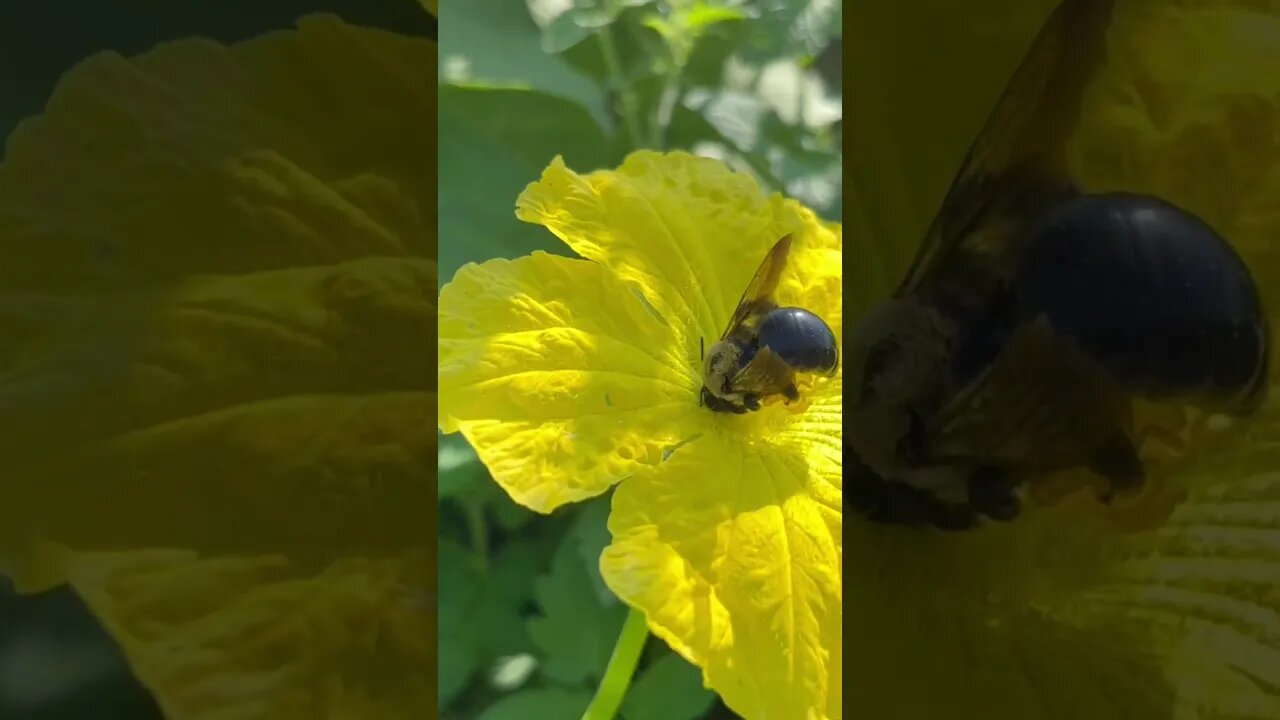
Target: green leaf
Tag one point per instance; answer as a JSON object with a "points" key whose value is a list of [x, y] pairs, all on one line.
{"points": [[736, 116], [591, 530], [578, 627], [481, 613], [514, 569], [794, 28], [495, 44], [500, 628], [499, 142], [459, 468], [670, 689], [563, 33], [538, 704], [459, 589], [565, 23], [702, 16]]}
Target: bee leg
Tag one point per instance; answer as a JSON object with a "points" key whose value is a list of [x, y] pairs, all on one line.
{"points": [[791, 393], [913, 445], [1117, 461], [750, 401], [992, 492]]}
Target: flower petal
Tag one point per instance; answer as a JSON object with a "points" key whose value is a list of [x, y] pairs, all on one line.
{"points": [[688, 231], [266, 637], [733, 551], [213, 255], [560, 376]]}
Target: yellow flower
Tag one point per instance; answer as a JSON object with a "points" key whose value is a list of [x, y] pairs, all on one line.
{"points": [[571, 375], [1059, 614]]}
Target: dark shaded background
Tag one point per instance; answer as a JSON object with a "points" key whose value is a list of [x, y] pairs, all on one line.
{"points": [[55, 661]]}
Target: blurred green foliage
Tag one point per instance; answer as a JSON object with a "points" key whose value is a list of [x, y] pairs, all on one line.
{"points": [[526, 623]]}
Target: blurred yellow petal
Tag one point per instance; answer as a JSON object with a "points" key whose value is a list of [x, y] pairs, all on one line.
{"points": [[733, 553], [213, 256], [261, 637], [561, 378], [687, 231]]}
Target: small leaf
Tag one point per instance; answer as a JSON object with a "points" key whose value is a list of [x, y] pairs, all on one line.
{"points": [[576, 631], [458, 466], [541, 703], [476, 27], [795, 29], [670, 689], [700, 17], [563, 33], [514, 569], [592, 532], [459, 652], [737, 116], [522, 131]]}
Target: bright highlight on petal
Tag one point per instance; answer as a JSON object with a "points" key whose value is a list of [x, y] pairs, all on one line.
{"points": [[559, 376]]}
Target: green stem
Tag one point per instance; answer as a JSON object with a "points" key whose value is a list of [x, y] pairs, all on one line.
{"points": [[622, 665], [627, 98], [667, 102]]}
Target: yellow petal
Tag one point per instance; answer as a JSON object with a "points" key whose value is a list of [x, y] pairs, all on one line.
{"points": [[687, 231], [212, 258], [733, 551], [560, 376], [262, 637]]}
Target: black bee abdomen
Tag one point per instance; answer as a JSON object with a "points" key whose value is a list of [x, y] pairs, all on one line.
{"points": [[1148, 290], [800, 338]]}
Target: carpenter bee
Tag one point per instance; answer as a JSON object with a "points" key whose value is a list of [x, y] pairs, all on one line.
{"points": [[765, 345], [1036, 312]]}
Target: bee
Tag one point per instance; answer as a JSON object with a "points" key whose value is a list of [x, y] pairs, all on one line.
{"points": [[765, 345], [1034, 315]]}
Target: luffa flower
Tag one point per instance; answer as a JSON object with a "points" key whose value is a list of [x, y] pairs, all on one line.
{"points": [[572, 375], [1060, 614]]}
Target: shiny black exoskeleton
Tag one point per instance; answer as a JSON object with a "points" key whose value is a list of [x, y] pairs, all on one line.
{"points": [[798, 341], [1152, 293], [1148, 290], [800, 338]]}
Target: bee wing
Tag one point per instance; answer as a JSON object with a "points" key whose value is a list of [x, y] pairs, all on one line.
{"points": [[757, 299], [1016, 165], [1041, 398], [766, 374]]}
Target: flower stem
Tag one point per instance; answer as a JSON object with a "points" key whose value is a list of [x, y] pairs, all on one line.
{"points": [[622, 664], [625, 95]]}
